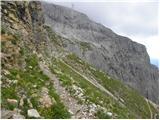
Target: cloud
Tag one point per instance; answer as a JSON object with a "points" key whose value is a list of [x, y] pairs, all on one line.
{"points": [[152, 44], [131, 18], [138, 19]]}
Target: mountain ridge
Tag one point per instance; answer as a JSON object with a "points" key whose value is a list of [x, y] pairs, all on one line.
{"points": [[113, 48]]}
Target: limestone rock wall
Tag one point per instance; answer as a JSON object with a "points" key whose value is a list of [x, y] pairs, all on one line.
{"points": [[118, 56]]}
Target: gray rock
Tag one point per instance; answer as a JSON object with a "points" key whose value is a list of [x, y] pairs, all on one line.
{"points": [[45, 99], [6, 72], [12, 101], [33, 113], [116, 55], [109, 114], [21, 102], [29, 103], [18, 116], [6, 114], [71, 112]]}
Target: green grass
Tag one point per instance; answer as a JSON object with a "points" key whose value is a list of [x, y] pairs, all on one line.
{"points": [[135, 105], [65, 80], [132, 99], [27, 77], [93, 94], [102, 115], [3, 30], [32, 75], [57, 110], [85, 46]]}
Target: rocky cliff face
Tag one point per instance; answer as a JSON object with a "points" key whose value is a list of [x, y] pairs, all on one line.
{"points": [[118, 56]]}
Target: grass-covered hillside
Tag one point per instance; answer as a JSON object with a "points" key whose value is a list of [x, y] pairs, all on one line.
{"points": [[129, 103], [25, 85]]}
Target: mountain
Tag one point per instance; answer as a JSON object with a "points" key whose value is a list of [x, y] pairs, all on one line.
{"points": [[57, 63], [116, 55]]}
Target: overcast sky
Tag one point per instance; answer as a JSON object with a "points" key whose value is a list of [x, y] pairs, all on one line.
{"points": [[131, 18]]}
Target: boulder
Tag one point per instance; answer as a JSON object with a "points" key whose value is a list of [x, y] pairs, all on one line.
{"points": [[109, 114], [18, 116], [12, 101], [33, 113], [15, 81], [34, 86], [71, 112], [44, 90], [30, 67], [6, 72], [6, 114], [46, 101]]}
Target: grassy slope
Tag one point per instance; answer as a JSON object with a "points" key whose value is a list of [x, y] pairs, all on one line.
{"points": [[70, 77], [27, 79], [132, 99], [30, 76]]}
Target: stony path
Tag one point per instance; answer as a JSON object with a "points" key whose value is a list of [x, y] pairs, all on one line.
{"points": [[77, 110], [151, 114], [95, 83]]}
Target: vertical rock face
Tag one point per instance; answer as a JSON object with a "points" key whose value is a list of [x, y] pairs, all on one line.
{"points": [[118, 56], [22, 15]]}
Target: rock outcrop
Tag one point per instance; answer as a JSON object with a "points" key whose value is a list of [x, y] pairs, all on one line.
{"points": [[118, 56], [32, 113]]}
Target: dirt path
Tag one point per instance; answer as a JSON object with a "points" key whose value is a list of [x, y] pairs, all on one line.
{"points": [[95, 83], [151, 114], [77, 110]]}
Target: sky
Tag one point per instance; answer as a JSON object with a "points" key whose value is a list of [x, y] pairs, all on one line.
{"points": [[131, 18]]}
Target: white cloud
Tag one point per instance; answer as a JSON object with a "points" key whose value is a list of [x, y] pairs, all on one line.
{"points": [[128, 17], [152, 44]]}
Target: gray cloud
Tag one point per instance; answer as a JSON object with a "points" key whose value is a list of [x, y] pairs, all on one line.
{"points": [[123, 17]]}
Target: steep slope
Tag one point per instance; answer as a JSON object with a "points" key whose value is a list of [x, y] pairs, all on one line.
{"points": [[40, 79], [116, 55], [24, 88], [71, 71]]}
